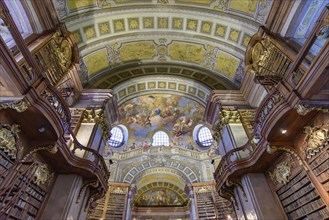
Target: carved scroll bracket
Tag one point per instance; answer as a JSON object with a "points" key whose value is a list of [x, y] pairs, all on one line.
{"points": [[232, 183], [93, 184]]}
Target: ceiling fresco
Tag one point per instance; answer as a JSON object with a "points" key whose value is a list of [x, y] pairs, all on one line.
{"points": [[174, 114], [207, 34], [144, 85], [162, 58]]}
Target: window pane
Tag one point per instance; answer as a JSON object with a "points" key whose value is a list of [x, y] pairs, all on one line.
{"points": [[160, 138], [116, 139], [205, 137]]}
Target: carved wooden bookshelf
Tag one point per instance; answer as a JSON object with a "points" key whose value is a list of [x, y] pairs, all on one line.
{"points": [[300, 199], [319, 165], [113, 205], [25, 204]]}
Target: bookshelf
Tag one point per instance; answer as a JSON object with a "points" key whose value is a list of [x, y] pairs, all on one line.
{"points": [[300, 199], [112, 206], [28, 204], [26, 199], [205, 206], [320, 167]]}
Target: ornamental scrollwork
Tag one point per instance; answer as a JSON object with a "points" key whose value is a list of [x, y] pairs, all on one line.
{"points": [[42, 174], [19, 106], [282, 171], [9, 138], [316, 138]]}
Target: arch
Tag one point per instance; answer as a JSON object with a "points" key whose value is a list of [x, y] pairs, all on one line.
{"points": [[185, 172]]}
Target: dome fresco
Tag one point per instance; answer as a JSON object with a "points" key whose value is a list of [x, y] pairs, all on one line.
{"points": [[173, 114]]}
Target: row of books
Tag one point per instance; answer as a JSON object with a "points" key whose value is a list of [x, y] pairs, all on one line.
{"points": [[306, 209], [319, 160], [297, 178], [324, 176], [303, 191], [321, 214], [323, 167], [17, 213], [295, 188], [36, 194], [301, 201]]}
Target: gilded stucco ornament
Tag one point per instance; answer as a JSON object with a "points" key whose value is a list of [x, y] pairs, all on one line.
{"points": [[226, 116], [19, 106], [8, 139], [42, 174], [97, 116], [282, 171], [304, 109], [316, 138]]}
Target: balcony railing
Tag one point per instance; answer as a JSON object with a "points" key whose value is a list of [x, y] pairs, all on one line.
{"points": [[271, 59], [157, 150], [242, 157]]}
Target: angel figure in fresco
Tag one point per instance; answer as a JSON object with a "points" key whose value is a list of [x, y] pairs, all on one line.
{"points": [[182, 126]]}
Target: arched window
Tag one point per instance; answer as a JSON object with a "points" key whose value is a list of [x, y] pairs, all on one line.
{"points": [[21, 19], [119, 136], [160, 138], [202, 136]]}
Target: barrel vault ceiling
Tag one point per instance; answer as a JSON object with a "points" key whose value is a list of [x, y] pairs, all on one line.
{"points": [[199, 42]]}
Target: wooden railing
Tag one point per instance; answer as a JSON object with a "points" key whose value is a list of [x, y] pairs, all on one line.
{"points": [[271, 59], [254, 145]]}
